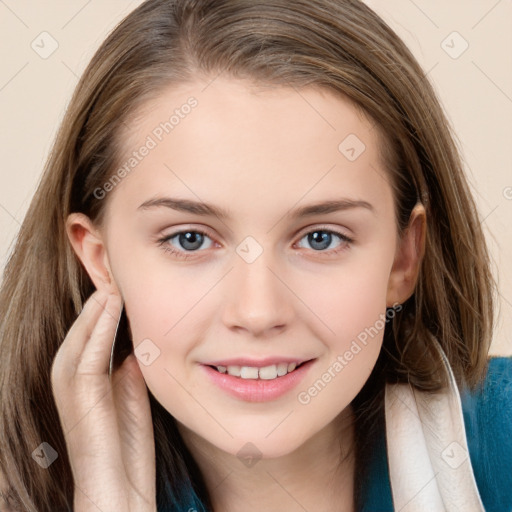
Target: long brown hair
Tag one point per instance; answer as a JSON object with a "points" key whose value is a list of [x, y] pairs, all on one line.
{"points": [[341, 45]]}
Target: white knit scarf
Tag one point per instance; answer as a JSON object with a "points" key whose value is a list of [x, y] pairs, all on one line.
{"points": [[429, 465]]}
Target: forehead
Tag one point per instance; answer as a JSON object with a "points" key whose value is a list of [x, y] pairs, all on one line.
{"points": [[236, 137]]}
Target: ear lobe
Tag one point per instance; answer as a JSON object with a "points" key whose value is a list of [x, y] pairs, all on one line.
{"points": [[87, 242], [406, 266]]}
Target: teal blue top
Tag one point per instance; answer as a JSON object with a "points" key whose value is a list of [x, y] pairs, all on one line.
{"points": [[488, 422]]}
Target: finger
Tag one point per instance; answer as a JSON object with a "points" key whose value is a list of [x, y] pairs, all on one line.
{"points": [[71, 349], [135, 427], [95, 356]]}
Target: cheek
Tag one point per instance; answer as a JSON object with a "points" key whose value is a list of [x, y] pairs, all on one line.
{"points": [[163, 298], [346, 300], [351, 304], [167, 311]]}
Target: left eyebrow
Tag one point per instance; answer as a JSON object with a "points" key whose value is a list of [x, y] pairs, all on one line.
{"points": [[205, 209], [330, 207]]}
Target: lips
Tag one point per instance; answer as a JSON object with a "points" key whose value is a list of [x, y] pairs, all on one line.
{"points": [[251, 389], [268, 368], [257, 363]]}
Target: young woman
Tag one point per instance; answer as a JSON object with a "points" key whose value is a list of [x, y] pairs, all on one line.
{"points": [[252, 278]]}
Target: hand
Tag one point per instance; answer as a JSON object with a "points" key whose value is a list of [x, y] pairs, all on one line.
{"points": [[107, 424]]}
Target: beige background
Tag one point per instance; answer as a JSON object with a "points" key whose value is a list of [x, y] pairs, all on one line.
{"points": [[475, 87]]}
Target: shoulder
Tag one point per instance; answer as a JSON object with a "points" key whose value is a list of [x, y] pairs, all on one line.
{"points": [[491, 405], [487, 415]]}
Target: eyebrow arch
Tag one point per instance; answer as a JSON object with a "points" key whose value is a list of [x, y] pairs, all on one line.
{"points": [[200, 208]]}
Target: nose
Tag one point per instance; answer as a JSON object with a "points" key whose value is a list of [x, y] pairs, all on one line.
{"points": [[258, 301]]}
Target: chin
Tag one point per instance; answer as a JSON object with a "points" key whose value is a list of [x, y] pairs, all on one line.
{"points": [[257, 447]]}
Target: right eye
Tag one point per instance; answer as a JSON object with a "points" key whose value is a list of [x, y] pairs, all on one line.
{"points": [[190, 241]]}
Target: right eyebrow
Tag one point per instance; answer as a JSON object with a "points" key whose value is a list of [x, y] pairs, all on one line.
{"points": [[185, 205]]}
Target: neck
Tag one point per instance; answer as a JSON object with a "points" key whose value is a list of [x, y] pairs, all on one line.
{"points": [[318, 475]]}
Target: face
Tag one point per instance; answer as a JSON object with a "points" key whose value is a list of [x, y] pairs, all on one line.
{"points": [[260, 278]]}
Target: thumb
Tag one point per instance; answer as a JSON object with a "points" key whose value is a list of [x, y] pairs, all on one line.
{"points": [[135, 425]]}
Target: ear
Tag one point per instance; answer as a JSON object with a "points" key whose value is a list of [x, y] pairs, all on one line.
{"points": [[408, 258], [88, 244]]}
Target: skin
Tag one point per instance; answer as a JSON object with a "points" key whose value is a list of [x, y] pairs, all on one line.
{"points": [[258, 153]]}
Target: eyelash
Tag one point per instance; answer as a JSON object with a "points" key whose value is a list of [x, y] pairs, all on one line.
{"points": [[162, 242]]}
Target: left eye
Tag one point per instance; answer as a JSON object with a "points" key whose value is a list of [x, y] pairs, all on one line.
{"points": [[320, 239], [192, 240]]}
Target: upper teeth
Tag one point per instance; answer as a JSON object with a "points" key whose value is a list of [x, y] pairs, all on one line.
{"points": [[251, 372]]}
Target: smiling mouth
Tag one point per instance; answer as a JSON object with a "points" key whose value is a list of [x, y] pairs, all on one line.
{"points": [[269, 372]]}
